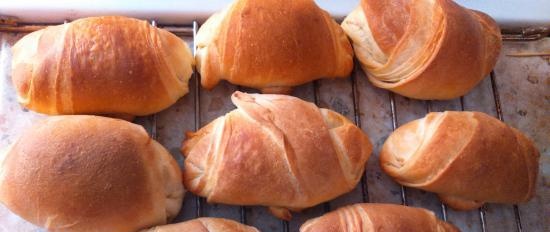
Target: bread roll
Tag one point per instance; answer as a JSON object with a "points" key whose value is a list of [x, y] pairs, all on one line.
{"points": [[377, 218], [276, 151], [271, 45], [467, 158], [427, 49], [205, 225], [90, 173], [101, 65]]}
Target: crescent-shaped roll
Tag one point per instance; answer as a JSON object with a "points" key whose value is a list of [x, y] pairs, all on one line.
{"points": [[426, 49], [205, 225], [272, 45], [371, 217], [90, 173], [276, 151], [109, 65], [467, 158]]}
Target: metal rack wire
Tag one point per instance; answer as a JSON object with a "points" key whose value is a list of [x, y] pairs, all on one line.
{"points": [[496, 96]]}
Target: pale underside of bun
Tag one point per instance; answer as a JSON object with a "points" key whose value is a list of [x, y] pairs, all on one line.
{"points": [[101, 65], [276, 151], [464, 157], [90, 173], [429, 49], [272, 45]]}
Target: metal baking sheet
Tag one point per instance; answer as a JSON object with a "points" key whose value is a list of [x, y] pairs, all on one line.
{"points": [[518, 91]]}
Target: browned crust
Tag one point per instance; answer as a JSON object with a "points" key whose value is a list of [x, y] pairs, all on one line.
{"points": [[89, 173], [101, 65], [377, 217], [461, 52], [304, 154], [465, 157], [272, 45], [388, 20]]}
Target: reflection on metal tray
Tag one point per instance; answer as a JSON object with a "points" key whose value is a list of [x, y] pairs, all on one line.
{"points": [[517, 92]]}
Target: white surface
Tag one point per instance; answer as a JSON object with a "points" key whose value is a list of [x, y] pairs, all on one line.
{"points": [[508, 13], [164, 11], [513, 13]]}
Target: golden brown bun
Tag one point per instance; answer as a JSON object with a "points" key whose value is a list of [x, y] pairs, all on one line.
{"points": [[428, 49], [90, 173], [467, 158], [272, 45], [101, 65], [377, 218], [277, 151], [205, 225]]}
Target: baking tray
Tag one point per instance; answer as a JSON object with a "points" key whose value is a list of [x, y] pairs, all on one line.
{"points": [[517, 92]]}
